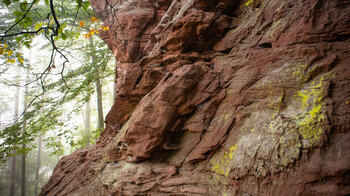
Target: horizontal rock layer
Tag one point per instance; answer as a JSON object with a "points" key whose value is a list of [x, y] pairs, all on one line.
{"points": [[221, 97]]}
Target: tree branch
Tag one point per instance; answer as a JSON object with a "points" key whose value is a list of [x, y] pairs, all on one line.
{"points": [[25, 14]]}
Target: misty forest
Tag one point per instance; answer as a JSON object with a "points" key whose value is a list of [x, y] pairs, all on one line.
{"points": [[55, 78]]}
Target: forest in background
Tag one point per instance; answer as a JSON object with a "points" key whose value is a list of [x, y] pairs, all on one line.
{"points": [[56, 81]]}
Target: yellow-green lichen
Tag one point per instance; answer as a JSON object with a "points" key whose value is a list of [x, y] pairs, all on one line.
{"points": [[281, 6], [274, 27], [276, 103], [225, 115], [221, 165], [117, 140], [276, 126], [248, 2], [310, 123], [122, 132], [299, 72], [106, 159]]}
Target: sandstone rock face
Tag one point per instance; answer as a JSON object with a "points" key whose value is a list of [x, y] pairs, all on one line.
{"points": [[221, 97]]}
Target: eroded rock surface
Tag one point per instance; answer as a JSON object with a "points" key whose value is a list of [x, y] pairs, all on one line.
{"points": [[221, 97]]}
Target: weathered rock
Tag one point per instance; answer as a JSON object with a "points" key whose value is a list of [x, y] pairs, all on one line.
{"points": [[221, 98]]}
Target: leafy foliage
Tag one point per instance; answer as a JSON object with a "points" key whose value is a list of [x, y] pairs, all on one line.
{"points": [[48, 162], [57, 82]]}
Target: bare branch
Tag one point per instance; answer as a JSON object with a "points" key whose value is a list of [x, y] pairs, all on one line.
{"points": [[26, 32], [54, 18]]}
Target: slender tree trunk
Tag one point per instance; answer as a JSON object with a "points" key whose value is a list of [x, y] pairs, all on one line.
{"points": [[13, 177], [115, 79], [13, 164], [23, 176], [38, 165], [87, 121], [100, 123]]}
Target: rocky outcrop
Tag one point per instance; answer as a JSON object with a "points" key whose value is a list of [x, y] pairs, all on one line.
{"points": [[221, 97]]}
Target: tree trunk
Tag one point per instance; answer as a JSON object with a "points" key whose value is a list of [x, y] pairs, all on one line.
{"points": [[13, 177], [13, 164], [115, 79], [37, 172], [23, 176], [87, 121], [100, 122]]}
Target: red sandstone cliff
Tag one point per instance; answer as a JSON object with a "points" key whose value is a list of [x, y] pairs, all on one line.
{"points": [[221, 97]]}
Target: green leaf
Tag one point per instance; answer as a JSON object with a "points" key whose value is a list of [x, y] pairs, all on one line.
{"points": [[80, 2], [24, 5], [26, 22], [38, 25], [17, 13], [86, 4], [18, 39], [26, 44], [64, 25], [63, 36], [60, 30], [6, 2]]}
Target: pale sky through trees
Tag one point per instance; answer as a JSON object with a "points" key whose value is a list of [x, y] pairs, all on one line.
{"points": [[58, 73], [39, 60]]}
